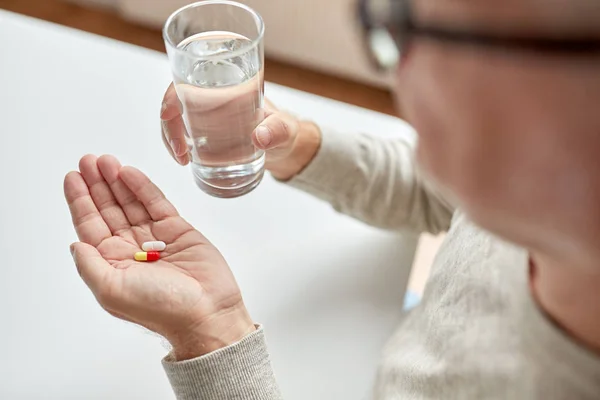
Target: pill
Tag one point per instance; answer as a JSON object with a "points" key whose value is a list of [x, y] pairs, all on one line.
{"points": [[147, 256], [154, 246]]}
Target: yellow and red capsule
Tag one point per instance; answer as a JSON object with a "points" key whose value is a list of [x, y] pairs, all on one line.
{"points": [[147, 256]]}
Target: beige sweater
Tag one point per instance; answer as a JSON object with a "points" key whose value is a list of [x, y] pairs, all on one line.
{"points": [[476, 334]]}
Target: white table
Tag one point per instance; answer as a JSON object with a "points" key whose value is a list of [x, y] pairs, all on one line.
{"points": [[327, 288]]}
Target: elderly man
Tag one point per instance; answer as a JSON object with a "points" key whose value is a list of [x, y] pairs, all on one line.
{"points": [[504, 96]]}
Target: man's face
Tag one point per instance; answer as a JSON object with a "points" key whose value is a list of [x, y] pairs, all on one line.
{"points": [[511, 135]]}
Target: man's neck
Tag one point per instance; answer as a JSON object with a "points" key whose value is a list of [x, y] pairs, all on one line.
{"points": [[570, 295]]}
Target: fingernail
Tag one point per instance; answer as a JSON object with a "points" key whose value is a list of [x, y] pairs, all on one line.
{"points": [[263, 136], [183, 159], [72, 249]]}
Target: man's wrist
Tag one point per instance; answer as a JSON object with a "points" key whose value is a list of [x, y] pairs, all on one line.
{"points": [[214, 334], [305, 148]]}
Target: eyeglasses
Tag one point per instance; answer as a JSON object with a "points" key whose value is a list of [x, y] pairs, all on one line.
{"points": [[388, 26]]}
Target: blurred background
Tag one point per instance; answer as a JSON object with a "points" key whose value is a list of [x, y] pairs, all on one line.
{"points": [[310, 45]]}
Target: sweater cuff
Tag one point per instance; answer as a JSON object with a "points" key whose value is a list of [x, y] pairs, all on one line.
{"points": [[241, 371]]}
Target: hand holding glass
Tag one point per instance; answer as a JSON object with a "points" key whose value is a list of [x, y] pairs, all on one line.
{"points": [[215, 49]]}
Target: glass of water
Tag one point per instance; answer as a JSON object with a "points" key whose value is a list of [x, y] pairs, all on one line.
{"points": [[215, 49]]}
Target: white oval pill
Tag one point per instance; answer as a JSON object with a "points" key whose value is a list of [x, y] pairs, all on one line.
{"points": [[154, 246]]}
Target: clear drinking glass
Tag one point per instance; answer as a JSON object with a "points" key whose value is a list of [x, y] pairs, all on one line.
{"points": [[216, 53]]}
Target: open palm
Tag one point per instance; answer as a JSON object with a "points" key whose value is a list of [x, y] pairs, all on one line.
{"points": [[184, 296]]}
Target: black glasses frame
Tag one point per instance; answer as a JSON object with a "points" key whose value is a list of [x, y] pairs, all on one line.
{"points": [[395, 19]]}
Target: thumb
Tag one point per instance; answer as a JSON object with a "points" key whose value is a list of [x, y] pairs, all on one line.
{"points": [[92, 267], [277, 130]]}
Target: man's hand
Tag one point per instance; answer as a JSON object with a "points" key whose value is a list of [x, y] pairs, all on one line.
{"points": [[290, 144], [189, 296]]}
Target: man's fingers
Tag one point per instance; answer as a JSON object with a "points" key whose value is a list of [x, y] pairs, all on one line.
{"points": [[103, 197], [148, 194], [93, 269], [173, 132], [171, 107], [172, 126], [277, 130], [134, 210], [89, 224], [166, 141]]}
